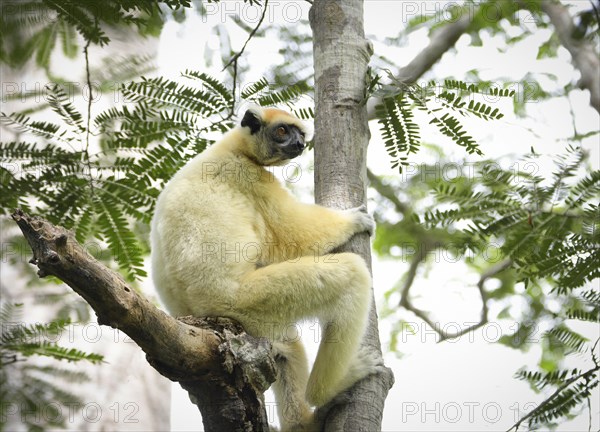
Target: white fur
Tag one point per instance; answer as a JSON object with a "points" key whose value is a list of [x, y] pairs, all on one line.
{"points": [[229, 240]]}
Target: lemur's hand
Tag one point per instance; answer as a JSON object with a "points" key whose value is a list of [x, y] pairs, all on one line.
{"points": [[363, 220]]}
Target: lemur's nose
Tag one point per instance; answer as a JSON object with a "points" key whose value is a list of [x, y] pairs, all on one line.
{"points": [[300, 145]]}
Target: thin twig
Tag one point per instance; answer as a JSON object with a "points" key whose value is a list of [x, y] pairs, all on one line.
{"points": [[418, 258], [444, 335], [594, 358], [89, 116], [491, 272], [542, 405], [233, 86], [250, 36], [235, 58], [387, 192], [589, 406]]}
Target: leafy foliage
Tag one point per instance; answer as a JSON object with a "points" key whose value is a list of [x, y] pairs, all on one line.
{"points": [[545, 227], [265, 94], [296, 66], [40, 393], [548, 228], [401, 133], [56, 168], [550, 231], [571, 389], [34, 28], [18, 338], [399, 130], [286, 96], [99, 176]]}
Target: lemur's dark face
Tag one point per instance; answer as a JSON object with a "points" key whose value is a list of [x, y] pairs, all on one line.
{"points": [[288, 140], [276, 143]]}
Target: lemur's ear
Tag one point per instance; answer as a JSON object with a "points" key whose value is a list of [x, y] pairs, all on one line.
{"points": [[252, 121]]}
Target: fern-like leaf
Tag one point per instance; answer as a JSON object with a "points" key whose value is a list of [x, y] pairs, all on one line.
{"points": [[451, 127], [162, 91], [214, 85], [81, 18], [285, 96], [566, 337], [117, 233], [60, 104], [399, 131], [539, 380], [24, 123], [304, 113], [49, 349], [250, 92]]}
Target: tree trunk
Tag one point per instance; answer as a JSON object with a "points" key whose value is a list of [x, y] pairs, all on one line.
{"points": [[341, 55]]}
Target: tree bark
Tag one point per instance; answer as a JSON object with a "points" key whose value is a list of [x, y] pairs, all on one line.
{"points": [[224, 370], [341, 55]]}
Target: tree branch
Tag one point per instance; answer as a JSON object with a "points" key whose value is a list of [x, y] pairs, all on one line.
{"points": [[441, 41], [429, 244], [89, 117], [386, 191], [582, 51], [405, 302], [234, 60], [250, 36], [550, 398], [224, 369]]}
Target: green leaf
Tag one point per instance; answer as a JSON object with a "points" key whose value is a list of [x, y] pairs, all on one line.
{"points": [[122, 243], [68, 37], [161, 91], [61, 105], [80, 17], [210, 83], [23, 123], [451, 127], [51, 350], [285, 96], [46, 40], [400, 133], [251, 91], [562, 335]]}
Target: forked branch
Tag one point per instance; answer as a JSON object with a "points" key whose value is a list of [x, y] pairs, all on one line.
{"points": [[406, 303]]}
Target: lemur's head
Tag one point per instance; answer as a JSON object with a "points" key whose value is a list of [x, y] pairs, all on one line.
{"points": [[275, 136]]}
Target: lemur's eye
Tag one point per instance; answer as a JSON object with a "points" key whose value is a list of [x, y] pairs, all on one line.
{"points": [[281, 132]]}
